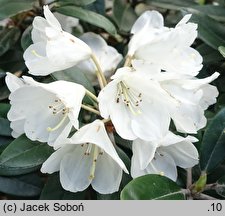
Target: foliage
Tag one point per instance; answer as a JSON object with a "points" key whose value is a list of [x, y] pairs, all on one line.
{"points": [[21, 158]]}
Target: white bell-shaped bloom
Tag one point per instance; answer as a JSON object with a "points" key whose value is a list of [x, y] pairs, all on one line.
{"points": [[136, 105], [44, 112], [53, 49], [107, 56], [192, 95], [162, 156], [87, 158], [168, 48]]}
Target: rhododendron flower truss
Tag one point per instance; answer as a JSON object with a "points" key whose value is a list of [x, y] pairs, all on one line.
{"points": [[44, 112], [87, 158], [53, 49], [169, 48], [162, 156]]}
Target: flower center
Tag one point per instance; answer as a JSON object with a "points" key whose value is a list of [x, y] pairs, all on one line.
{"points": [[58, 108], [96, 153], [129, 97]]}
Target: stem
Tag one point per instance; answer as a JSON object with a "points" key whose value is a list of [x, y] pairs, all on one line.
{"points": [[91, 95], [204, 197], [90, 109], [99, 72], [189, 177], [128, 61]]}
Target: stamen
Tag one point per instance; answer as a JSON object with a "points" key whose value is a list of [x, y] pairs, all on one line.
{"points": [[58, 125], [88, 150], [161, 173], [93, 167], [129, 97]]}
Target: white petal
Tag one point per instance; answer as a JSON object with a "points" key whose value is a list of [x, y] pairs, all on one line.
{"points": [[13, 82], [51, 18], [95, 133], [149, 19], [52, 164], [163, 165], [143, 152], [108, 175], [75, 170], [184, 154]]}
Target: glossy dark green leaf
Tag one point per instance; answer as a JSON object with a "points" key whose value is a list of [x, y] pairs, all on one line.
{"points": [[216, 12], [12, 61], [152, 187], [89, 17], [76, 2], [171, 4], [98, 6], [13, 7], [54, 191], [123, 15], [213, 144], [5, 129], [8, 37], [4, 108], [74, 75], [209, 54], [23, 156], [210, 31], [220, 186], [222, 50], [28, 185], [26, 40]]}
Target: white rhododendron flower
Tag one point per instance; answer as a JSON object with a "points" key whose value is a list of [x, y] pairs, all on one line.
{"points": [[162, 156], [88, 157], [137, 106], [191, 95], [194, 96], [167, 47], [107, 56], [44, 112], [53, 48]]}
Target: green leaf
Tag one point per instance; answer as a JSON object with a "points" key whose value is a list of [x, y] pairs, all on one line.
{"points": [[220, 186], [89, 17], [123, 15], [74, 75], [5, 129], [210, 31], [26, 40], [209, 54], [4, 108], [54, 191], [8, 37], [12, 61], [23, 156], [13, 7], [171, 4], [215, 12], [152, 187], [24, 186], [76, 2], [213, 144], [222, 50]]}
